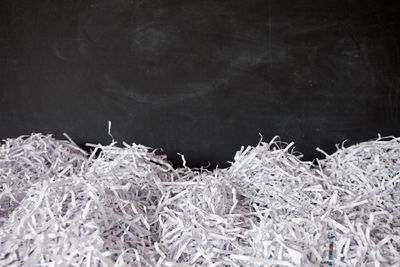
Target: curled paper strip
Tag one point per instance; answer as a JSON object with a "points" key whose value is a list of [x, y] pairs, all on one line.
{"points": [[127, 206]]}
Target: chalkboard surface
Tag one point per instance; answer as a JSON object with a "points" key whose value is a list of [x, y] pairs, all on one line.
{"points": [[201, 78]]}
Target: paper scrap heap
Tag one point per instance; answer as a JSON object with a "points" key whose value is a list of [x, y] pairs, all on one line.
{"points": [[127, 206]]}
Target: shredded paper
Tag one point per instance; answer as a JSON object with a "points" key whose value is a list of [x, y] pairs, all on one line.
{"points": [[127, 206]]}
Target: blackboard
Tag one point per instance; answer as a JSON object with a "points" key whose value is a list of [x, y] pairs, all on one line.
{"points": [[201, 78]]}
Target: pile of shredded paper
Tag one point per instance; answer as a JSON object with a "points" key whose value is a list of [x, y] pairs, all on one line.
{"points": [[127, 206]]}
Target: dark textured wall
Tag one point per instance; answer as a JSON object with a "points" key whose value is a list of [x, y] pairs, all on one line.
{"points": [[201, 77]]}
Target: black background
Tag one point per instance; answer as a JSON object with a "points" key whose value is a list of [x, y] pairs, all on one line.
{"points": [[201, 77]]}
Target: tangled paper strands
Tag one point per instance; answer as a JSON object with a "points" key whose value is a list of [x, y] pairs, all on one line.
{"points": [[60, 206]]}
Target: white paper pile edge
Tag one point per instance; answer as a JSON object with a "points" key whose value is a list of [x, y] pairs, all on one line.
{"points": [[128, 207]]}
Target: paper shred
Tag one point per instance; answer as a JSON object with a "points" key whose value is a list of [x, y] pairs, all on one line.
{"points": [[127, 206]]}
